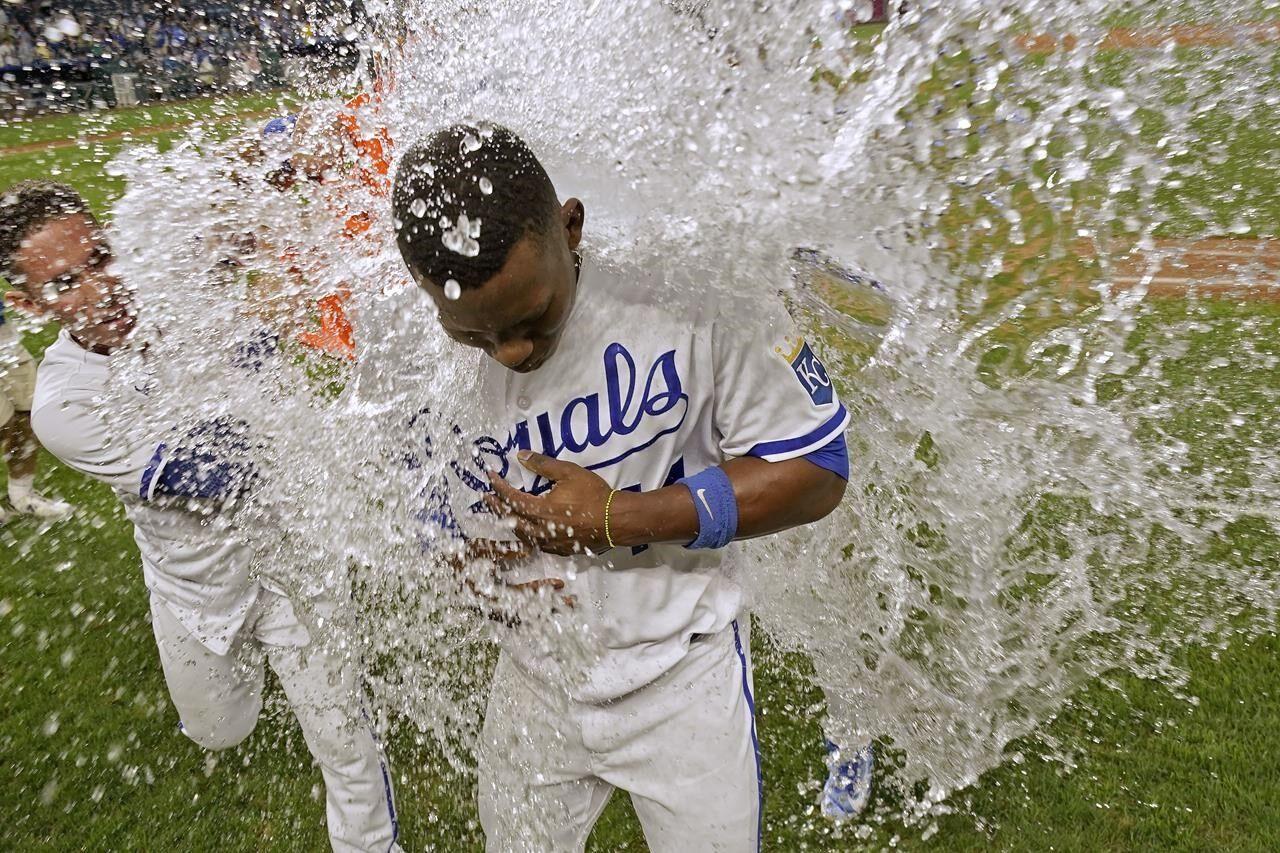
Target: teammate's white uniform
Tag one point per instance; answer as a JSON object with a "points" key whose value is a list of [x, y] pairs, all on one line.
{"points": [[213, 623], [643, 394], [17, 373]]}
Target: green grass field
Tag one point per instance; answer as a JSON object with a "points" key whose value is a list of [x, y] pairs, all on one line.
{"points": [[99, 136], [93, 759]]}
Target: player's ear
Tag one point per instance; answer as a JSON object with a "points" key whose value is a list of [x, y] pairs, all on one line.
{"points": [[19, 300], [573, 214]]}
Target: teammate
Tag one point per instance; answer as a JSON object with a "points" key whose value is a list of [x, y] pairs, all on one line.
{"points": [[650, 436], [213, 621], [17, 443]]}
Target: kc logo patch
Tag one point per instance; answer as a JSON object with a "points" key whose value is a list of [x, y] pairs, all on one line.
{"points": [[812, 375]]}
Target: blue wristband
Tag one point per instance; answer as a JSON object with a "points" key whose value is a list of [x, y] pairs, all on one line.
{"points": [[717, 508]]}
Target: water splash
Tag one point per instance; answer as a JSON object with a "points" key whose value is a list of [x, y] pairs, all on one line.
{"points": [[1025, 492]]}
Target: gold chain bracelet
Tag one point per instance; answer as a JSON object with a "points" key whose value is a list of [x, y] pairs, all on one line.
{"points": [[608, 506]]}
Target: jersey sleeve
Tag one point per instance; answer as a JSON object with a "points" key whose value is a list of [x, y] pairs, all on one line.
{"points": [[73, 430], [773, 397], [209, 461]]}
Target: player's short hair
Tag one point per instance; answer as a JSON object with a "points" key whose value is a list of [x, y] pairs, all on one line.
{"points": [[465, 195], [25, 208]]}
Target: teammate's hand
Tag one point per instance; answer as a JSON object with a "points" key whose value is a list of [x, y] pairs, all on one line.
{"points": [[567, 520]]}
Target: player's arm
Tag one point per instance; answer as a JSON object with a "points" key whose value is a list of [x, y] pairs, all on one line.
{"points": [[73, 431], [741, 499], [318, 139], [208, 462], [770, 497]]}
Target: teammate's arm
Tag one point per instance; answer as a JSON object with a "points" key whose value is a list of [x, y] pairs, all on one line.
{"points": [[73, 429], [208, 462]]}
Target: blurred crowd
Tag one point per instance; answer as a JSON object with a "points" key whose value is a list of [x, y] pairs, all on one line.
{"points": [[58, 55], [205, 38]]}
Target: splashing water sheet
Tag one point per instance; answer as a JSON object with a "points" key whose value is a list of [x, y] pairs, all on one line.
{"points": [[1046, 459]]}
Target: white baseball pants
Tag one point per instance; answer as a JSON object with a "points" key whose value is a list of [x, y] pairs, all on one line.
{"points": [[219, 697], [684, 747], [17, 374]]}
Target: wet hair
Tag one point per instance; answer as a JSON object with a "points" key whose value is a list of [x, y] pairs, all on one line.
{"points": [[463, 197], [27, 207]]}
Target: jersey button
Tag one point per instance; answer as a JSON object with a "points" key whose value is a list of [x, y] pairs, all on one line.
{"points": [[522, 403]]}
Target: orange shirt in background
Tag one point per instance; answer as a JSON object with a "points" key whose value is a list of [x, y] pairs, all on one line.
{"points": [[373, 169]]}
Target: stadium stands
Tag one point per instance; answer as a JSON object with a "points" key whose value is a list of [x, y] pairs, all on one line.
{"points": [[56, 55]]}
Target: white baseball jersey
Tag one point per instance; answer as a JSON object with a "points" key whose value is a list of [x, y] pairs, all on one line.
{"points": [[644, 394], [191, 562]]}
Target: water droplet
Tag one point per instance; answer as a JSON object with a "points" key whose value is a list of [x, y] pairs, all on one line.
{"points": [[470, 143], [486, 185], [452, 290], [418, 208], [463, 238]]}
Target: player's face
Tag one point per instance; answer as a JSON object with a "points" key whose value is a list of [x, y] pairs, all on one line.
{"points": [[518, 316], [63, 272]]}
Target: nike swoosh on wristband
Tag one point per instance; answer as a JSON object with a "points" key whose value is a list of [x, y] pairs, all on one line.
{"points": [[702, 496]]}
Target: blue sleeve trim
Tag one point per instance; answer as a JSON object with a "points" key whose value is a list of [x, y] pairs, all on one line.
{"points": [[833, 456], [776, 451]]}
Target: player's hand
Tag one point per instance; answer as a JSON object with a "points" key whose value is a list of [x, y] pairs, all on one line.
{"points": [[567, 520], [504, 556]]}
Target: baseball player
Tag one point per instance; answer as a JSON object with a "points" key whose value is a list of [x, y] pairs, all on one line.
{"points": [[635, 440], [17, 443], [213, 622]]}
